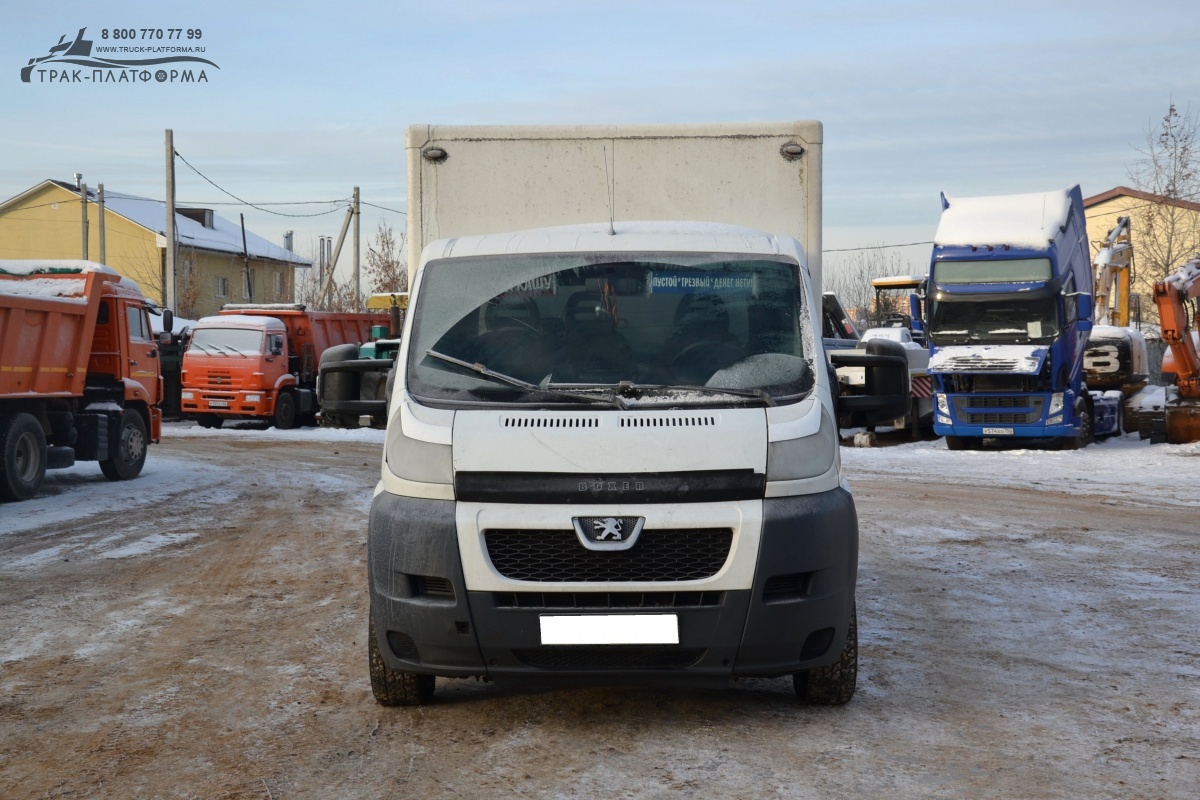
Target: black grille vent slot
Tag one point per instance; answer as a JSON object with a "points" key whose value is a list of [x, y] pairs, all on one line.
{"points": [[658, 555], [638, 657], [570, 600], [669, 422], [428, 586], [786, 587], [551, 422]]}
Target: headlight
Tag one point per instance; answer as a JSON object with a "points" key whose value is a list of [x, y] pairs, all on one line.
{"points": [[253, 398], [943, 404], [944, 420], [187, 396], [1055, 420], [807, 457], [1056, 403], [415, 460]]}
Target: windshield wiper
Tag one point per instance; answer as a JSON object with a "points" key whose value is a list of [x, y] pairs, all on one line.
{"points": [[629, 387], [500, 377]]}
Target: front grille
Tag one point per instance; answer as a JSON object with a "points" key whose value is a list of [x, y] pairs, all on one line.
{"points": [[221, 380], [658, 555], [999, 410], [632, 657], [570, 600]]}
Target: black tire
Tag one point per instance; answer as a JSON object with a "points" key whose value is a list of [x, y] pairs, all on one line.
{"points": [[209, 421], [1083, 438], [832, 685], [22, 457], [392, 687], [285, 411], [130, 457], [963, 442]]}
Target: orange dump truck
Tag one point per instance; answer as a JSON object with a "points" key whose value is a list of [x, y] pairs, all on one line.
{"points": [[79, 377], [259, 362]]}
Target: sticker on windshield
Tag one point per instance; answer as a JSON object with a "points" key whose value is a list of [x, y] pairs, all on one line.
{"points": [[679, 282], [543, 286]]}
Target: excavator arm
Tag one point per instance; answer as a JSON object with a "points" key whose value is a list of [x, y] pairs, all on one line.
{"points": [[1113, 264], [1171, 296]]}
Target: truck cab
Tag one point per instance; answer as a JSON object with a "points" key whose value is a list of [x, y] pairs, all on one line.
{"points": [[1008, 311], [235, 368]]}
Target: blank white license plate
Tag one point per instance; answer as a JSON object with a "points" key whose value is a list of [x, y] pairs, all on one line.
{"points": [[610, 629], [218, 404], [997, 431]]}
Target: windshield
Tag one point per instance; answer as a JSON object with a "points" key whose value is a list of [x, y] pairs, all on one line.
{"points": [[1011, 270], [231, 341], [1028, 320], [553, 329]]}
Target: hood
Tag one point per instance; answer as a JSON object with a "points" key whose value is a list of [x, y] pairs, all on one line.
{"points": [[1013, 359]]}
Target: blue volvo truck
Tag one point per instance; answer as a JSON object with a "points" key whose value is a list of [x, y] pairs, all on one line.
{"points": [[1008, 310]]}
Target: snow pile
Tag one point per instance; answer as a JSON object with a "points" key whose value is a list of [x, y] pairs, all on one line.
{"points": [[66, 288], [44, 266], [1019, 220]]}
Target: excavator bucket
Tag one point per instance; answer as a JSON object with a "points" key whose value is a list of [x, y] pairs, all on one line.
{"points": [[1183, 424]]}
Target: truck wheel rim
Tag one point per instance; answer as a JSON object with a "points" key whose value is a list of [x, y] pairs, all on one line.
{"points": [[135, 444], [26, 457]]}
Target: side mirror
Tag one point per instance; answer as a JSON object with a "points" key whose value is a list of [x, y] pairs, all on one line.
{"points": [[914, 311], [168, 320], [164, 337], [276, 345], [887, 393], [1085, 306]]}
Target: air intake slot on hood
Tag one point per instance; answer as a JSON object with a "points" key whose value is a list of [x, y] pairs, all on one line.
{"points": [[550, 422], [670, 422]]}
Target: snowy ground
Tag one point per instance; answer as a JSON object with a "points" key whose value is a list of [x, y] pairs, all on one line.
{"points": [[1028, 629]]}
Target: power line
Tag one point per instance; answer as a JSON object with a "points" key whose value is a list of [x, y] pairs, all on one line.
{"points": [[244, 202], [384, 208], [874, 247]]}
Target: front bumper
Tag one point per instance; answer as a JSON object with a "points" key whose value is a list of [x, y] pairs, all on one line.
{"points": [[229, 403], [795, 616]]}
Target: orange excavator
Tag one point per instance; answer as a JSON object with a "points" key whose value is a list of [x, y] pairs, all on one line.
{"points": [[1172, 296]]}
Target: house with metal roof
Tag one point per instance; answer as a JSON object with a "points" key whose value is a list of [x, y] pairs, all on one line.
{"points": [[213, 266]]}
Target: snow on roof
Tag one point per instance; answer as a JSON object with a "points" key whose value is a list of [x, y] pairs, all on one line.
{"points": [[47, 266], [224, 236], [1019, 220]]}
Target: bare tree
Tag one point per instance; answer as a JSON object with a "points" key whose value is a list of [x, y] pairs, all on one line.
{"points": [[386, 269], [1168, 232], [850, 279]]}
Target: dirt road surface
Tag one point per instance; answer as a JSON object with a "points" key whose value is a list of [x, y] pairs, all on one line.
{"points": [[205, 639]]}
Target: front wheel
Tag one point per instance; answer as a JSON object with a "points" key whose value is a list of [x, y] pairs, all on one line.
{"points": [[832, 685], [1083, 438], [285, 411], [392, 687], [209, 421], [22, 457], [130, 455], [963, 442]]}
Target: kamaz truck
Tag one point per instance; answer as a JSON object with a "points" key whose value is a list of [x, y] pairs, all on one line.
{"points": [[1008, 310]]}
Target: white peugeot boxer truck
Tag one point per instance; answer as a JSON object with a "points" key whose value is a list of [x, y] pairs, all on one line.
{"points": [[611, 452]]}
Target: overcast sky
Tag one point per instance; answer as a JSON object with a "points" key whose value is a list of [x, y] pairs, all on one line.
{"points": [[311, 99]]}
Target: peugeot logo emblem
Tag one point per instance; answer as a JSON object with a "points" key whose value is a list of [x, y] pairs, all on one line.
{"points": [[608, 533], [606, 528]]}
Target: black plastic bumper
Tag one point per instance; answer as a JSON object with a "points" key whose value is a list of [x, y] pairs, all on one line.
{"points": [[795, 617]]}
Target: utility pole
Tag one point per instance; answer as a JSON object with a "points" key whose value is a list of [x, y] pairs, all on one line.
{"points": [[100, 205], [168, 292], [247, 283], [357, 284], [83, 211]]}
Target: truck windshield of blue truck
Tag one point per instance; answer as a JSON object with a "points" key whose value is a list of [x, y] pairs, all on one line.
{"points": [[556, 329], [967, 317]]}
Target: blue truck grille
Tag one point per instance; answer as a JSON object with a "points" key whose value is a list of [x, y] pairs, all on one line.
{"points": [[1011, 410], [659, 555]]}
